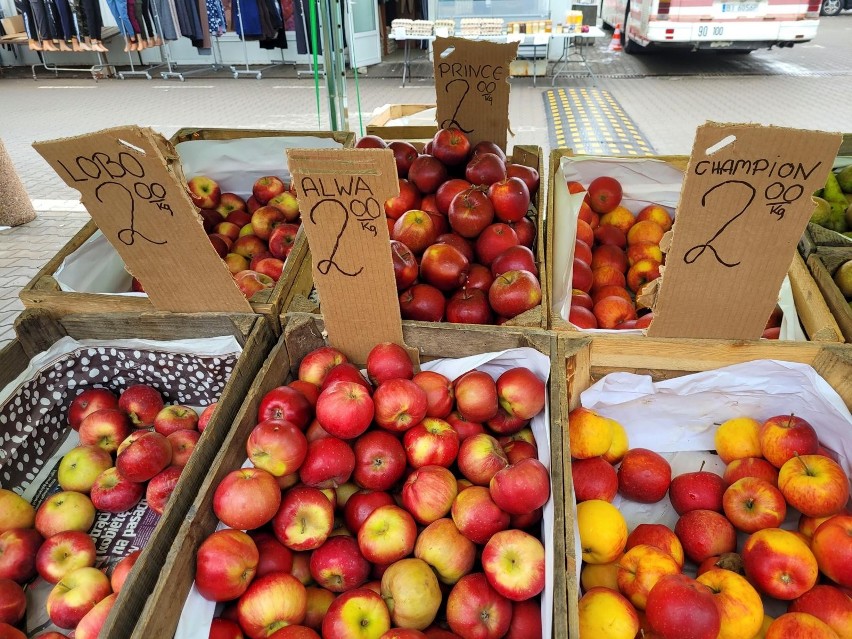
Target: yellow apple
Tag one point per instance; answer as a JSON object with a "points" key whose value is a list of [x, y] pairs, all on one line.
{"points": [[738, 438], [739, 604], [605, 614], [603, 531], [589, 434], [640, 569], [600, 575], [619, 446]]}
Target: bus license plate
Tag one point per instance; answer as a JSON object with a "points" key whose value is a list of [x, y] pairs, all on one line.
{"points": [[740, 7]]}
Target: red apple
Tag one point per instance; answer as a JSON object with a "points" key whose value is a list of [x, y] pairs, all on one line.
{"points": [[267, 187], [338, 564], [525, 230], [288, 404], [105, 428], [469, 306], [310, 391], [480, 457], [750, 467], [678, 606], [520, 488], [428, 493], [475, 609], [370, 142], [427, 173], [379, 459], [356, 614], [477, 516], [183, 442], [447, 192], [526, 620], [511, 199], [416, 230], [246, 498], [112, 492], [142, 403], [465, 247], [422, 302], [206, 416], [281, 240], [493, 241], [13, 602], [63, 511], [439, 393], [387, 535], [361, 504], [528, 174], [404, 154], [90, 626], [205, 192], [330, 462], [405, 267], [699, 490], [830, 605], [305, 519], [752, 504], [470, 212], [779, 563], [705, 533], [175, 418], [161, 487], [521, 393], [346, 372], [476, 396], [784, 436], [409, 199], [832, 547], [444, 267], [451, 146], [484, 169], [658, 536], [89, 401], [594, 478], [431, 442], [604, 194], [81, 466], [514, 292], [345, 410], [75, 595], [144, 458], [225, 565], [514, 258], [18, 552], [316, 365], [270, 603], [63, 553], [814, 485], [644, 476]]}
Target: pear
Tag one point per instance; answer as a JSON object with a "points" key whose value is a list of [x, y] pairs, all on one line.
{"points": [[837, 217], [822, 212], [843, 279], [832, 191], [849, 216], [844, 179]]}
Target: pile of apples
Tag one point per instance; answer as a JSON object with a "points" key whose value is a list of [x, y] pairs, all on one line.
{"points": [[125, 442], [253, 236], [373, 504], [615, 255], [461, 240], [637, 581]]}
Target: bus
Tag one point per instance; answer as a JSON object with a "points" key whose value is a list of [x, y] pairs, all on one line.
{"points": [[739, 26]]}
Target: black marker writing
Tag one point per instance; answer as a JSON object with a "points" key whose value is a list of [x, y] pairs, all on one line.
{"points": [[697, 251]]}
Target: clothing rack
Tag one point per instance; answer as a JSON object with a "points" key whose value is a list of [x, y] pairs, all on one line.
{"points": [[98, 70], [217, 65], [248, 71]]}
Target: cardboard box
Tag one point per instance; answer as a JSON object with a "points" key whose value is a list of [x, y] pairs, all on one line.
{"points": [[588, 360], [13, 25], [43, 291], [378, 124], [810, 308], [302, 333], [823, 264], [532, 156], [110, 363]]}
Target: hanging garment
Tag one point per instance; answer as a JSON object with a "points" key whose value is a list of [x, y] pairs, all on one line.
{"points": [[301, 10], [118, 8], [204, 44], [246, 19], [78, 16], [43, 22], [270, 20], [66, 21], [288, 14], [147, 21], [133, 15], [94, 19], [23, 8], [216, 17], [164, 18], [189, 19]]}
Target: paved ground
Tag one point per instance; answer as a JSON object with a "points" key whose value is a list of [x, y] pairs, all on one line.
{"points": [[667, 96]]}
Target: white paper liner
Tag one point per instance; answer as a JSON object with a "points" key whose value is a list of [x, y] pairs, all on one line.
{"points": [[644, 181], [198, 613], [424, 117], [678, 418]]}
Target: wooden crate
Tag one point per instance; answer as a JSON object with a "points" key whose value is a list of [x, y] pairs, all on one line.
{"points": [[814, 314], [38, 330], [44, 292], [527, 155], [378, 123], [823, 264], [303, 333], [587, 360]]}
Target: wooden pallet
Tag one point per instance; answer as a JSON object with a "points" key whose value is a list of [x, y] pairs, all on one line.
{"points": [[303, 333], [38, 330], [584, 361], [814, 314], [44, 292], [527, 155]]}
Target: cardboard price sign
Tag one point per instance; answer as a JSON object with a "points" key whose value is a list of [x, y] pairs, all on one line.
{"points": [[132, 186], [341, 194], [745, 202], [472, 88]]}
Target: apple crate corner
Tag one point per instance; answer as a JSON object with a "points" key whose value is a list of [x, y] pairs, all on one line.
{"points": [[814, 314], [586, 360], [302, 299], [303, 333], [823, 264], [378, 124], [38, 330], [43, 291]]}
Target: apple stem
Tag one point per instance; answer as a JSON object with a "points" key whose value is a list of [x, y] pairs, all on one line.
{"points": [[804, 465], [790, 420], [702, 465]]}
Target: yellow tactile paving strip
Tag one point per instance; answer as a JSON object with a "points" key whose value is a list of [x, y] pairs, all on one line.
{"points": [[590, 121]]}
